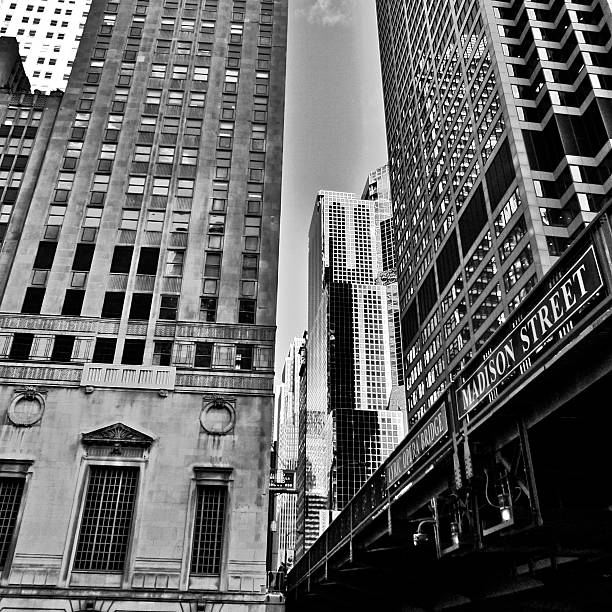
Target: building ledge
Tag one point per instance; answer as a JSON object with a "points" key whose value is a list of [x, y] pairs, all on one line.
{"points": [[128, 377]]}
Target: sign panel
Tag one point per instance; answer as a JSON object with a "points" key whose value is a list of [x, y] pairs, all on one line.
{"points": [[417, 445], [576, 287], [282, 481]]}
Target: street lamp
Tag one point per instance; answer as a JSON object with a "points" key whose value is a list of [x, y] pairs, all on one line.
{"points": [[287, 534]]}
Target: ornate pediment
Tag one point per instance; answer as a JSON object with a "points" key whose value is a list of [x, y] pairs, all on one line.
{"points": [[116, 434]]}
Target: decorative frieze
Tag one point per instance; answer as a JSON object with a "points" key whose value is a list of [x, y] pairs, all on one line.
{"points": [[246, 383], [41, 372]]}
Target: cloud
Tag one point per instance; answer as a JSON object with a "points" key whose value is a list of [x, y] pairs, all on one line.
{"points": [[328, 12]]}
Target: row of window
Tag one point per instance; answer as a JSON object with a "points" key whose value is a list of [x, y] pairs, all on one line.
{"points": [[107, 520], [205, 354]]}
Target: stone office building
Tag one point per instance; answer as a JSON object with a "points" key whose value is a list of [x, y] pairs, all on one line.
{"points": [[137, 317]]}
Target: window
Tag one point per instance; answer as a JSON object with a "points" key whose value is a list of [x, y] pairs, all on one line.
{"points": [[73, 302], [165, 156], [158, 71], [179, 72], [92, 217], [208, 309], [112, 306], [62, 348], [244, 357], [246, 311], [175, 98], [189, 157], [193, 127], [184, 188], [200, 73], [197, 99], [129, 219], [155, 221], [249, 266], [136, 184], [141, 306], [20, 349], [203, 355], [11, 492], [142, 153], [168, 307], [170, 125], [147, 262], [32, 302], [104, 351], [208, 528], [161, 186], [162, 353], [174, 262], [153, 96], [83, 257], [212, 267], [106, 522], [122, 259], [45, 255], [180, 221], [133, 352]]}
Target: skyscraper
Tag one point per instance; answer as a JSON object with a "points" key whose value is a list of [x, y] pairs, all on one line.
{"points": [[288, 397], [498, 124], [48, 32], [350, 378], [137, 313]]}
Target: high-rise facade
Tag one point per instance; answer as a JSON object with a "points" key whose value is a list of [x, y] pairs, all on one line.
{"points": [[48, 32], [287, 419], [137, 313], [312, 477], [350, 378], [499, 120]]}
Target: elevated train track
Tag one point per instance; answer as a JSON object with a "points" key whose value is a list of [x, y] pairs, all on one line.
{"points": [[501, 498]]}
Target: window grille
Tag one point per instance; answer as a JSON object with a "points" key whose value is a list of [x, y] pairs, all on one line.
{"points": [[107, 517], [11, 491], [208, 530]]}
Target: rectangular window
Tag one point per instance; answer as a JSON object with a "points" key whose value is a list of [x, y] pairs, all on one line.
{"points": [[203, 355], [73, 302], [189, 157], [208, 530], [112, 307], [104, 351], [165, 155], [11, 492], [208, 309], [175, 98], [244, 357], [174, 262], [62, 348], [246, 311], [212, 267], [32, 302], [162, 353], [168, 307], [133, 352], [20, 349], [106, 524]]}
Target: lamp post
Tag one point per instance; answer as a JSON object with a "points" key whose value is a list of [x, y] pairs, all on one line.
{"points": [[287, 534]]}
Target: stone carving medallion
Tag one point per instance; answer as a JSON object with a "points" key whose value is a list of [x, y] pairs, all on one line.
{"points": [[218, 416], [27, 406]]}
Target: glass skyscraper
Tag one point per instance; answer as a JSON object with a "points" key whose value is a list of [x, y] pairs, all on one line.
{"points": [[352, 343], [499, 119]]}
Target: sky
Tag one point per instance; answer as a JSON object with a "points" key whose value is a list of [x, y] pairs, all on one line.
{"points": [[334, 133]]}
